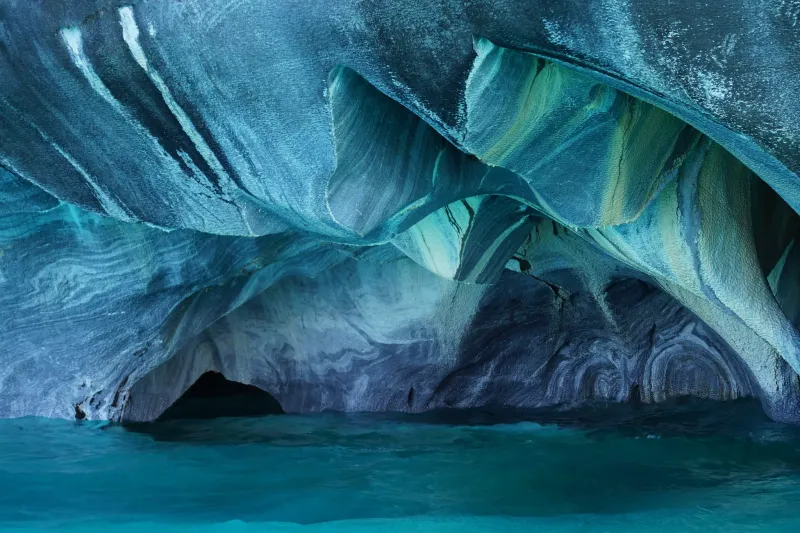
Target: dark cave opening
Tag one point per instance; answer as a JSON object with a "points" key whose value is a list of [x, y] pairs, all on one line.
{"points": [[215, 396]]}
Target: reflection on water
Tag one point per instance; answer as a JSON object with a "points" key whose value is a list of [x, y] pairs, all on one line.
{"points": [[631, 467]]}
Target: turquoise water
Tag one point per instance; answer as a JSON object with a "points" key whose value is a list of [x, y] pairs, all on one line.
{"points": [[688, 467]]}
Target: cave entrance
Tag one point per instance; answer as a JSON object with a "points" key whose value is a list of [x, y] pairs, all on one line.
{"points": [[214, 396]]}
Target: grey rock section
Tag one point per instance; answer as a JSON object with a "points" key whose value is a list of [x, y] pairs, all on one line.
{"points": [[378, 336]]}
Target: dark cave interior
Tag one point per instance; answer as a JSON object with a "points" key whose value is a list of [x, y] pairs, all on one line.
{"points": [[215, 396]]}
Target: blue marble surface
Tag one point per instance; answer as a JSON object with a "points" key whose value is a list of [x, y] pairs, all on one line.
{"points": [[509, 203]]}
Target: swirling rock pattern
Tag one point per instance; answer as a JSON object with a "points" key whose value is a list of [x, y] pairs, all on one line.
{"points": [[338, 342], [543, 205]]}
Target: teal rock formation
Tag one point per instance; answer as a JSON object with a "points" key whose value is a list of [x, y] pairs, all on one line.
{"points": [[398, 206]]}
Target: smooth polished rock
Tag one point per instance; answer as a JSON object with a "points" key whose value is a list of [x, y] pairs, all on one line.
{"points": [[382, 205]]}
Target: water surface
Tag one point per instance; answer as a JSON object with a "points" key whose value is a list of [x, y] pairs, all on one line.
{"points": [[681, 467]]}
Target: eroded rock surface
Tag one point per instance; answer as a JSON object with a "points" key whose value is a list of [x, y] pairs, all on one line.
{"points": [[398, 206]]}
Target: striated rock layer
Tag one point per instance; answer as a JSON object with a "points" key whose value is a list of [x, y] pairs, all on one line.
{"points": [[398, 206]]}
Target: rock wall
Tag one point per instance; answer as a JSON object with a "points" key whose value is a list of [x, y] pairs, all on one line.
{"points": [[382, 205]]}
